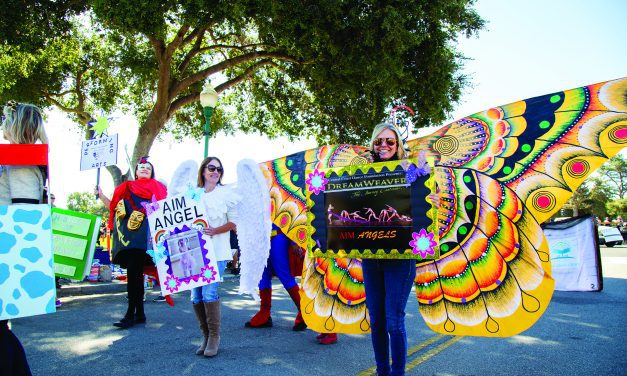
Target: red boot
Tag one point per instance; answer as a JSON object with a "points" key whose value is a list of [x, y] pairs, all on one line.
{"points": [[299, 323], [327, 338], [262, 318]]}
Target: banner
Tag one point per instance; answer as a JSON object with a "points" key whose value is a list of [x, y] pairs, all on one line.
{"points": [[74, 237], [183, 255], [575, 255], [27, 285], [99, 152], [378, 210]]}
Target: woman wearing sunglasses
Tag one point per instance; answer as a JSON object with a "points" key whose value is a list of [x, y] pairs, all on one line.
{"points": [[130, 233], [219, 203], [388, 282]]}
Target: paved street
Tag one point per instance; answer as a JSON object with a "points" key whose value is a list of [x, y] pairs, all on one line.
{"points": [[581, 333]]}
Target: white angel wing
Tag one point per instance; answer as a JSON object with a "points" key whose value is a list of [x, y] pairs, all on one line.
{"points": [[253, 225], [186, 173]]}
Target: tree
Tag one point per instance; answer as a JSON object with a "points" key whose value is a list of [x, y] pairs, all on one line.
{"points": [[580, 202], [614, 173], [617, 208], [297, 68], [86, 202], [28, 24], [599, 195]]}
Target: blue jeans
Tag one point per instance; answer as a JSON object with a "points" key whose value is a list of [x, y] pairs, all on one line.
{"points": [[388, 284], [208, 293]]}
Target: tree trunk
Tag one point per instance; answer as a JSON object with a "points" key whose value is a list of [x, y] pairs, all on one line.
{"points": [[147, 133]]}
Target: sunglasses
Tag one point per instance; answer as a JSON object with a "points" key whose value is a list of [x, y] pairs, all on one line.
{"points": [[214, 168], [390, 141]]}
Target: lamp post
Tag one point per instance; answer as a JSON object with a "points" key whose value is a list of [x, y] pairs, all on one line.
{"points": [[208, 101]]}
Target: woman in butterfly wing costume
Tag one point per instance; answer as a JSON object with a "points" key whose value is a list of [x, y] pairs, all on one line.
{"points": [[501, 173]]}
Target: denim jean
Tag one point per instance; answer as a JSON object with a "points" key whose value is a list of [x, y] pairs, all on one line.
{"points": [[208, 293], [388, 284]]}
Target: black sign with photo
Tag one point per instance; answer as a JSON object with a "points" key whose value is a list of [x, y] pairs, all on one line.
{"points": [[378, 210]]}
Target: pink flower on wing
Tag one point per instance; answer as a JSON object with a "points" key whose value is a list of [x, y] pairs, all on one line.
{"points": [[208, 273], [172, 284], [316, 181], [422, 243]]}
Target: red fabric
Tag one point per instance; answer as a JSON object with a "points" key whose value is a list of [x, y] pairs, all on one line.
{"points": [[296, 257], [24, 154], [144, 188], [295, 295], [262, 317]]}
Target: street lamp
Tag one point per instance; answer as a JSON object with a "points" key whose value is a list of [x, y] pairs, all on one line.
{"points": [[208, 101]]}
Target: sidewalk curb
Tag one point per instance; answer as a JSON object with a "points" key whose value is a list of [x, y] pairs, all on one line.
{"points": [[90, 288], [115, 286]]}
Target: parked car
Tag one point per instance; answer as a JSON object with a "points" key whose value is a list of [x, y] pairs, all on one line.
{"points": [[610, 236]]}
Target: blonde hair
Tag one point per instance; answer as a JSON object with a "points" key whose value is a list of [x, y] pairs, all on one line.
{"points": [[24, 124], [401, 150]]}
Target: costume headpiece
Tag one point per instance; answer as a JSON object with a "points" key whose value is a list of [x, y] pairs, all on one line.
{"points": [[402, 124]]}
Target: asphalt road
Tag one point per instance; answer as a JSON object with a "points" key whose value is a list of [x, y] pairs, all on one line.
{"points": [[581, 333]]}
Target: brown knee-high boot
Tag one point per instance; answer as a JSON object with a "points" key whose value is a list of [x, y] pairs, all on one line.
{"points": [[299, 323], [199, 309], [213, 312], [262, 318]]}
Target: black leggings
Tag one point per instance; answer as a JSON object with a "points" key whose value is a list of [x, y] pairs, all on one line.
{"points": [[12, 358], [135, 284]]}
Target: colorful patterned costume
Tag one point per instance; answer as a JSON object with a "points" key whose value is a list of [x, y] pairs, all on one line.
{"points": [[501, 172]]}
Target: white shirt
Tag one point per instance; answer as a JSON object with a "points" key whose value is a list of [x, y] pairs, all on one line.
{"points": [[20, 182], [219, 206]]}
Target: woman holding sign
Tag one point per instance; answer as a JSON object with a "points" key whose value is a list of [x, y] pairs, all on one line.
{"points": [[219, 204], [129, 228], [388, 282]]}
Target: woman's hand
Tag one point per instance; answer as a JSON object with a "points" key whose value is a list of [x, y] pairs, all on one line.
{"points": [[210, 231], [98, 192]]}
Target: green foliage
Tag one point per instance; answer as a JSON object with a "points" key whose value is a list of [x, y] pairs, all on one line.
{"points": [[328, 69], [579, 203], [614, 173], [617, 208], [29, 24], [86, 202]]}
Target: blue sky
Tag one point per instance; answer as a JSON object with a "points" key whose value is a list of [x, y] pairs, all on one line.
{"points": [[535, 47], [528, 48]]}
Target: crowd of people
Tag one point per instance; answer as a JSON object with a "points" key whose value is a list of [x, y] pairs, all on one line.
{"points": [[387, 282]]}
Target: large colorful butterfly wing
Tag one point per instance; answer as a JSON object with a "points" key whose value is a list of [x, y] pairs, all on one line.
{"points": [[502, 172], [333, 296]]}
